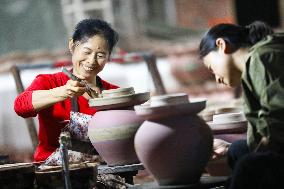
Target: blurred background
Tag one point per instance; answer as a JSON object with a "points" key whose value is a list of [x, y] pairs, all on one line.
{"points": [[37, 32]]}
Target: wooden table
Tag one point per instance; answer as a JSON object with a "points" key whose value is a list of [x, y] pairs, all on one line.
{"points": [[206, 182]]}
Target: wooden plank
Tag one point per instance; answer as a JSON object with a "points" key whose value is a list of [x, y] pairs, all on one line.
{"points": [[29, 121], [152, 67]]}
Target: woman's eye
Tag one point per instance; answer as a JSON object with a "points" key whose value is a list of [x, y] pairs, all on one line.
{"points": [[101, 56], [85, 52]]}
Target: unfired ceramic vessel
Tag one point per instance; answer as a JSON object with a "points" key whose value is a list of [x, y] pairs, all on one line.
{"points": [[174, 144], [120, 98], [229, 125], [112, 131]]}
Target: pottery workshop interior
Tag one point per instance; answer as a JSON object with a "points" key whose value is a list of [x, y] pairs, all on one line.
{"points": [[99, 94]]}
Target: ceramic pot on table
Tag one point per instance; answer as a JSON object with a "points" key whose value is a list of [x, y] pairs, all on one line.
{"points": [[112, 129], [174, 144], [229, 125]]}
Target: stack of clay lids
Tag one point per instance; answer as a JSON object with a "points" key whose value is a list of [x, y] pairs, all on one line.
{"points": [[233, 122], [170, 104], [118, 98]]}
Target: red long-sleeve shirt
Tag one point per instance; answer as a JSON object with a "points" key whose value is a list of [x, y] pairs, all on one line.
{"points": [[51, 119]]}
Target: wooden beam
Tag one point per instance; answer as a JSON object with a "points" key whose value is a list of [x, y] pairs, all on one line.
{"points": [[29, 121]]}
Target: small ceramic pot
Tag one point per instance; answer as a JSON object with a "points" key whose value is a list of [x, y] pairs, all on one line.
{"points": [[229, 123], [229, 126], [174, 144], [112, 134]]}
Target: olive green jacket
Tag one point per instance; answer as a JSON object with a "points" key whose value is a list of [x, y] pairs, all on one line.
{"points": [[263, 92]]}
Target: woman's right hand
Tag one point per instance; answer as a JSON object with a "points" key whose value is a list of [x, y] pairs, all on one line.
{"points": [[73, 89], [44, 98]]}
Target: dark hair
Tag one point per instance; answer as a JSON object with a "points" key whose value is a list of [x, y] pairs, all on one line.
{"points": [[237, 36], [87, 28]]}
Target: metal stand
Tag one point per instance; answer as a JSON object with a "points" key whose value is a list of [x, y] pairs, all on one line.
{"points": [[65, 142]]}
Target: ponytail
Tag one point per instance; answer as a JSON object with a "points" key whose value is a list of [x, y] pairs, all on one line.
{"points": [[257, 31], [236, 36]]}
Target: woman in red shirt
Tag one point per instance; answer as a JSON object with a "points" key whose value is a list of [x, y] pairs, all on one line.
{"points": [[49, 95]]}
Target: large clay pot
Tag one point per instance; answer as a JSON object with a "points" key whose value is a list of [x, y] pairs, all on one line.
{"points": [[112, 134], [112, 131], [174, 144]]}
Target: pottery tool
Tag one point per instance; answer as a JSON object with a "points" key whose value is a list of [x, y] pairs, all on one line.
{"points": [[262, 143], [91, 92]]}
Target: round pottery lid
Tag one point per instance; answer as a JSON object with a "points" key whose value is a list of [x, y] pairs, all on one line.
{"points": [[229, 122], [118, 92], [118, 98], [224, 110], [171, 104]]}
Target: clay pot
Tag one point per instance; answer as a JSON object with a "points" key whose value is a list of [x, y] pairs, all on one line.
{"points": [[229, 123], [112, 131], [174, 144], [112, 134]]}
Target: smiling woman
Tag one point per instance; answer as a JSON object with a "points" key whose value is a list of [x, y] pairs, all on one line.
{"points": [[53, 96]]}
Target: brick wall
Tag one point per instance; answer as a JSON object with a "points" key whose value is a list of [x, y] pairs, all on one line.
{"points": [[200, 14]]}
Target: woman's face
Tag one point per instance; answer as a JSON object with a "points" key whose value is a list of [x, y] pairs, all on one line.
{"points": [[223, 67], [89, 57]]}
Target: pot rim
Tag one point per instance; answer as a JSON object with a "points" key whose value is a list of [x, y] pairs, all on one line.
{"points": [[119, 101]]}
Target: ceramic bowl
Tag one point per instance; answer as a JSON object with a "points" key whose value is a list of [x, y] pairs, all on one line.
{"points": [[118, 92], [227, 110], [162, 100], [228, 118]]}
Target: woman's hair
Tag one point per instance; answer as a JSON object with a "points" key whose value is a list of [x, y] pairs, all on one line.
{"points": [[87, 28], [236, 36]]}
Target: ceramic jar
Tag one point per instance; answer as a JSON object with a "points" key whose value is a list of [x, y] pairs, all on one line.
{"points": [[112, 131], [228, 124], [174, 144]]}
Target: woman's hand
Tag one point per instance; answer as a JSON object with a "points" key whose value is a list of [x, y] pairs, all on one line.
{"points": [[220, 148], [44, 98], [73, 89]]}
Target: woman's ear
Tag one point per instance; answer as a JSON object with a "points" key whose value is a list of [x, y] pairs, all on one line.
{"points": [[223, 46], [71, 45]]}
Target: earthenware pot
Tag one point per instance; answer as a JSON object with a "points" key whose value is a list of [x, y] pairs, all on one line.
{"points": [[228, 123], [112, 131], [112, 134], [174, 144]]}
